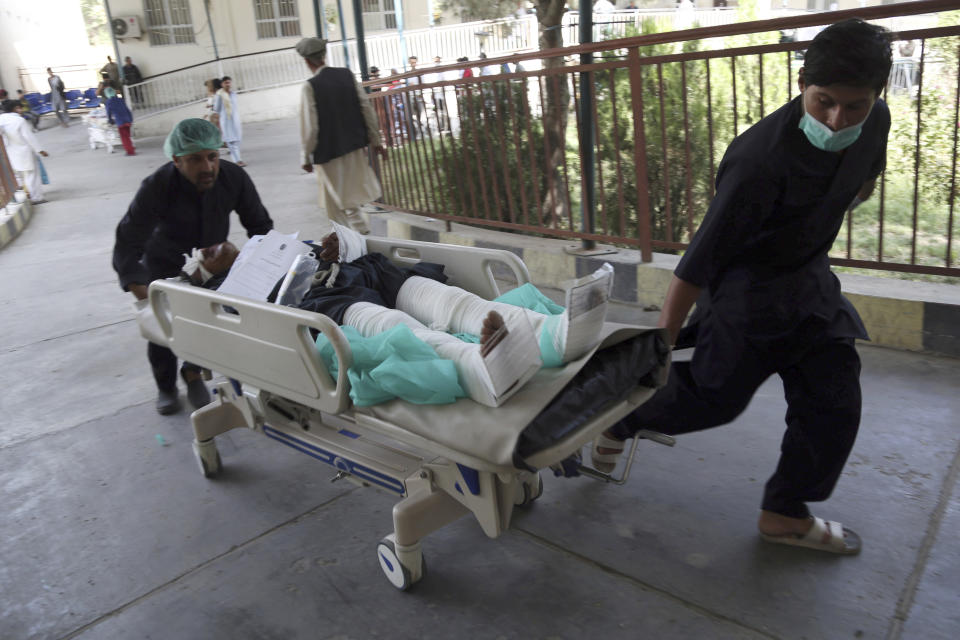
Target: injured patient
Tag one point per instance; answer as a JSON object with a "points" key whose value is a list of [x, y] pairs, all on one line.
{"points": [[495, 347], [434, 311]]}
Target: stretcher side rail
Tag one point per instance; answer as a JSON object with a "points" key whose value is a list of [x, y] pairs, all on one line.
{"points": [[270, 346], [262, 344], [470, 268]]}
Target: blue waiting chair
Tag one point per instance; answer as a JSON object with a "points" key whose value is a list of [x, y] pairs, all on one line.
{"points": [[74, 99], [90, 98], [38, 104]]}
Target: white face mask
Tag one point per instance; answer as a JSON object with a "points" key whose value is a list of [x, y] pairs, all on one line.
{"points": [[823, 137]]}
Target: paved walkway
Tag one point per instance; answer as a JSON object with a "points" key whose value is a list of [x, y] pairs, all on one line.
{"points": [[110, 531]]}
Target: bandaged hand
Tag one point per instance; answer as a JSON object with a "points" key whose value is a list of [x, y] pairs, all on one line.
{"points": [[330, 248]]}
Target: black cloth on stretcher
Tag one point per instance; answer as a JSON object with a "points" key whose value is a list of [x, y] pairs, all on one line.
{"points": [[369, 278], [606, 378]]}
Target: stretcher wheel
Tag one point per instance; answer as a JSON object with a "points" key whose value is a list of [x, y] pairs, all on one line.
{"points": [[207, 457], [529, 493], [400, 575]]}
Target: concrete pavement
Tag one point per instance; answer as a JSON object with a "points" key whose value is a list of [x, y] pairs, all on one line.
{"points": [[110, 531]]}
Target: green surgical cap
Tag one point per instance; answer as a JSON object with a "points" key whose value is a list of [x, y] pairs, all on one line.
{"points": [[191, 135]]}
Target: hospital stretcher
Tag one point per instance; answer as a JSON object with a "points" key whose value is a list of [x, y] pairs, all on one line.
{"points": [[442, 461]]}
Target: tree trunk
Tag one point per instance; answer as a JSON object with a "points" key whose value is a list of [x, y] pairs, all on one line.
{"points": [[555, 204]]}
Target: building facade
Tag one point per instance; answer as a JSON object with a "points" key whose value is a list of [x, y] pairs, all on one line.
{"points": [[173, 34]]}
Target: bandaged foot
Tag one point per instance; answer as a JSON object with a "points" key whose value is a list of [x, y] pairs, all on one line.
{"points": [[489, 372], [493, 331], [202, 264], [587, 299], [561, 338]]}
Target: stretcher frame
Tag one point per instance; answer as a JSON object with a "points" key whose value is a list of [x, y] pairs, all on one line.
{"points": [[291, 398]]}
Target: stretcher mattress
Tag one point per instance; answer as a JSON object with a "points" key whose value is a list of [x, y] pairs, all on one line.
{"points": [[494, 435]]}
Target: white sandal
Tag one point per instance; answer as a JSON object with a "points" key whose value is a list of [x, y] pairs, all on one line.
{"points": [[823, 535], [606, 462]]}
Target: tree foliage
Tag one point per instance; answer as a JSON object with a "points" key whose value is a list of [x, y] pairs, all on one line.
{"points": [[95, 18], [469, 10]]}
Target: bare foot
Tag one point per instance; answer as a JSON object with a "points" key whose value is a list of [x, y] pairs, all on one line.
{"points": [[493, 331], [774, 524], [605, 450]]}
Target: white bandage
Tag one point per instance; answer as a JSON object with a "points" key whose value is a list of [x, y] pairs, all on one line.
{"points": [[372, 319], [587, 300], [352, 244], [570, 335], [192, 262], [447, 308]]}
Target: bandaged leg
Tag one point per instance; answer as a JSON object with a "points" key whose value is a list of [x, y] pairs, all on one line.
{"points": [[562, 338], [486, 378]]}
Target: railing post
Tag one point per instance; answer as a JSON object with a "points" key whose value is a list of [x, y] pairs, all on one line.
{"points": [[113, 38], [320, 18], [640, 155], [343, 35], [213, 38], [588, 197], [361, 44]]}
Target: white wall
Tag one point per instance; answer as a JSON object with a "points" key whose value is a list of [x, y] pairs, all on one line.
{"points": [[30, 38], [234, 27]]}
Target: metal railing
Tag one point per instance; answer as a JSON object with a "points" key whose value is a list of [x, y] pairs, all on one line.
{"points": [[267, 69], [497, 151], [283, 66]]}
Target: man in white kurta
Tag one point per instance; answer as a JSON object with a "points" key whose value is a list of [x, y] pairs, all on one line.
{"points": [[22, 149], [335, 148]]}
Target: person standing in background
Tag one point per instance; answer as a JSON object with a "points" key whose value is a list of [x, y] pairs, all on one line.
{"points": [[132, 75], [225, 106], [112, 71], [337, 123], [57, 99], [213, 85], [119, 114], [22, 149], [26, 112]]}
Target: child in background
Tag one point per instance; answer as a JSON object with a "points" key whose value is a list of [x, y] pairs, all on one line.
{"points": [[119, 114]]}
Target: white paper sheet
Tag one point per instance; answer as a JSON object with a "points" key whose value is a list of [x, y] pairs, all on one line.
{"points": [[262, 261]]}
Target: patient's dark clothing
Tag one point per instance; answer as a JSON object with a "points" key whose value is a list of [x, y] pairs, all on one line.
{"points": [[370, 278]]}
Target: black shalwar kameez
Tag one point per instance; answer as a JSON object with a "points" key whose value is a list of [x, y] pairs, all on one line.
{"points": [[170, 217], [770, 303]]}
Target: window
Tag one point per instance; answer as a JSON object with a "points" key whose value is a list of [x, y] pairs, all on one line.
{"points": [[276, 18], [168, 21], [379, 15]]}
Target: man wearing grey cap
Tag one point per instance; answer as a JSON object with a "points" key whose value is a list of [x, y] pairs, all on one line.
{"points": [[337, 122]]}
